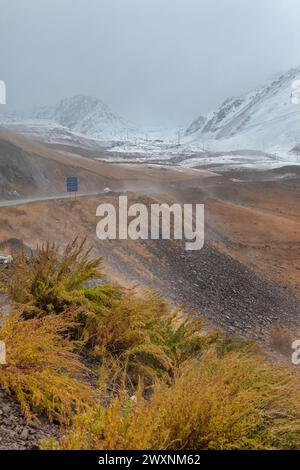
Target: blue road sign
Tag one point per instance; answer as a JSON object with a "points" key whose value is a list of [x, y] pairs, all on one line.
{"points": [[72, 184]]}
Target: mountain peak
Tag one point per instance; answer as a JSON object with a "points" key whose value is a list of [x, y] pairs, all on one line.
{"points": [[87, 115], [70, 111]]}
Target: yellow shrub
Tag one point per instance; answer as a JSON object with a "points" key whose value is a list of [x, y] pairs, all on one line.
{"points": [[42, 370], [122, 425], [237, 401]]}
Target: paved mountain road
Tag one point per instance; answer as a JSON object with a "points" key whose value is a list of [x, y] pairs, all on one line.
{"points": [[19, 202]]}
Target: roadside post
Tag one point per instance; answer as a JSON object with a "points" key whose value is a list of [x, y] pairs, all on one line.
{"points": [[72, 185]]}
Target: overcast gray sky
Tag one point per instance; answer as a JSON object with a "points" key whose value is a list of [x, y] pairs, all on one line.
{"points": [[154, 61]]}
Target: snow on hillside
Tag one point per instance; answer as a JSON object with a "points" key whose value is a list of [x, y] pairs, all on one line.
{"points": [[264, 119], [90, 116], [49, 132]]}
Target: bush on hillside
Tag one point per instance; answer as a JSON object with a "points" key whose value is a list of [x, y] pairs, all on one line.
{"points": [[194, 390], [237, 401], [141, 336], [49, 281], [42, 370]]}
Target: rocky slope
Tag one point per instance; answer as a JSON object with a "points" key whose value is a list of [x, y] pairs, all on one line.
{"points": [[15, 432]]}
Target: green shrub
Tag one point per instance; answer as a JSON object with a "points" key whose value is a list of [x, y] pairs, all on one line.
{"points": [[49, 281], [142, 335]]}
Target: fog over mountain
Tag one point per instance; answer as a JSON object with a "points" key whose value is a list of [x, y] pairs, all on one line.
{"points": [[154, 62]]}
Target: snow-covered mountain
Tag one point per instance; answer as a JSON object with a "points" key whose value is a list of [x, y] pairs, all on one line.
{"points": [[78, 121], [265, 119], [89, 116], [260, 127]]}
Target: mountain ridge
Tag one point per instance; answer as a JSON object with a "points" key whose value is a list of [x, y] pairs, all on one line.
{"points": [[262, 118]]}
